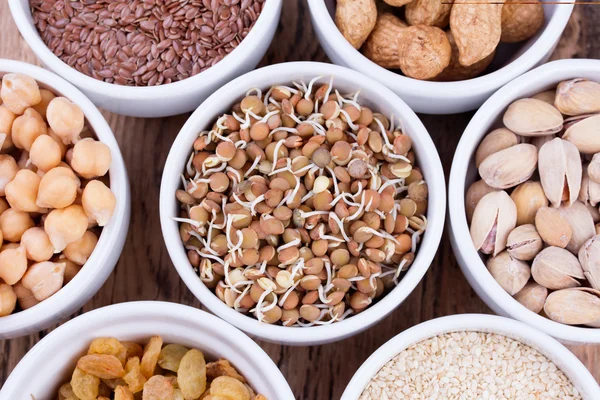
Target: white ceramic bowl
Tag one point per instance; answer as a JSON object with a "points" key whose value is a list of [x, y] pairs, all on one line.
{"points": [[50, 363], [554, 351], [110, 244], [463, 173], [163, 100], [444, 97], [378, 98]]}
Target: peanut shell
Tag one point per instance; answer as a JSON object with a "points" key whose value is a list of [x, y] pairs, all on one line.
{"points": [[424, 51], [356, 19], [520, 21]]}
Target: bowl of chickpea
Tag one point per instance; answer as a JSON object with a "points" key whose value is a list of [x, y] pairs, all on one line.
{"points": [[64, 199]]}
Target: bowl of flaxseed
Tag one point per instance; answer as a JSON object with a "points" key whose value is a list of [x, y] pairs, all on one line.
{"points": [[148, 58], [302, 202]]}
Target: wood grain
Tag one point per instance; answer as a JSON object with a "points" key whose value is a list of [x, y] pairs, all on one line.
{"points": [[145, 272]]}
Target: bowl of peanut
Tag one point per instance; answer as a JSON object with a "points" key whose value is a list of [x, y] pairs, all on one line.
{"points": [[525, 230], [440, 57], [302, 202], [149, 350], [64, 199]]}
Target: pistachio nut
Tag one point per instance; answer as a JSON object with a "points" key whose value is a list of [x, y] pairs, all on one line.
{"points": [[569, 122], [533, 117], [529, 197], [578, 96], [594, 168], [547, 97], [589, 193], [556, 268], [576, 306], [582, 225], [585, 135], [589, 257], [476, 191], [553, 227], [524, 242], [594, 212], [493, 142], [494, 217], [510, 273], [532, 296], [559, 165], [509, 167]]}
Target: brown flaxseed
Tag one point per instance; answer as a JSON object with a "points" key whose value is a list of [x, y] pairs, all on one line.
{"points": [[143, 42]]}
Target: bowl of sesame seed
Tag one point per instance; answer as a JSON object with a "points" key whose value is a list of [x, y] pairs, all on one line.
{"points": [[472, 356], [148, 58], [302, 202]]}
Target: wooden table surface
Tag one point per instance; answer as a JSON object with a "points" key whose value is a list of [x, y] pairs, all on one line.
{"points": [[145, 271]]}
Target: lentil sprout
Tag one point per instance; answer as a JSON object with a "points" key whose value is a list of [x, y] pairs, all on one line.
{"points": [[301, 206]]}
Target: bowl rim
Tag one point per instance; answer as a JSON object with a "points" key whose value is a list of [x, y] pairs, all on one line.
{"points": [[157, 311], [443, 90], [113, 234], [540, 341], [268, 16], [489, 112], [321, 334]]}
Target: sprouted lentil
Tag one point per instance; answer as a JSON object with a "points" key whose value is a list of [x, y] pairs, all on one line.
{"points": [[301, 206]]}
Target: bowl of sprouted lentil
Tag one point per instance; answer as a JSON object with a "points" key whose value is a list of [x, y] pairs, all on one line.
{"points": [[150, 350], [148, 58], [64, 199], [472, 356], [289, 214], [464, 180]]}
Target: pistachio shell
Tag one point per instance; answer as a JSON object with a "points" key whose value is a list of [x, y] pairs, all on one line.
{"points": [[494, 217], [509, 167], [578, 96], [547, 97], [524, 243], [529, 197], [585, 135], [569, 122], [493, 142], [559, 165], [576, 306], [539, 141], [553, 227], [556, 268], [510, 273], [590, 190], [594, 168], [476, 191], [582, 225], [532, 296], [533, 117], [589, 257]]}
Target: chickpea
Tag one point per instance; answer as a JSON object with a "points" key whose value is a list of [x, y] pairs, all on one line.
{"points": [[58, 188], [91, 158], [19, 92], [21, 192], [71, 269], [57, 139], [1, 238], [46, 98], [13, 223], [65, 118], [80, 250], [44, 279], [3, 205], [45, 153], [24, 296], [8, 170], [37, 244], [7, 118], [8, 299], [98, 202], [26, 128], [65, 226], [13, 264]]}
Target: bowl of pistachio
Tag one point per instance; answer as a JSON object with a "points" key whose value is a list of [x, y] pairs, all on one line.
{"points": [[524, 195]]}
